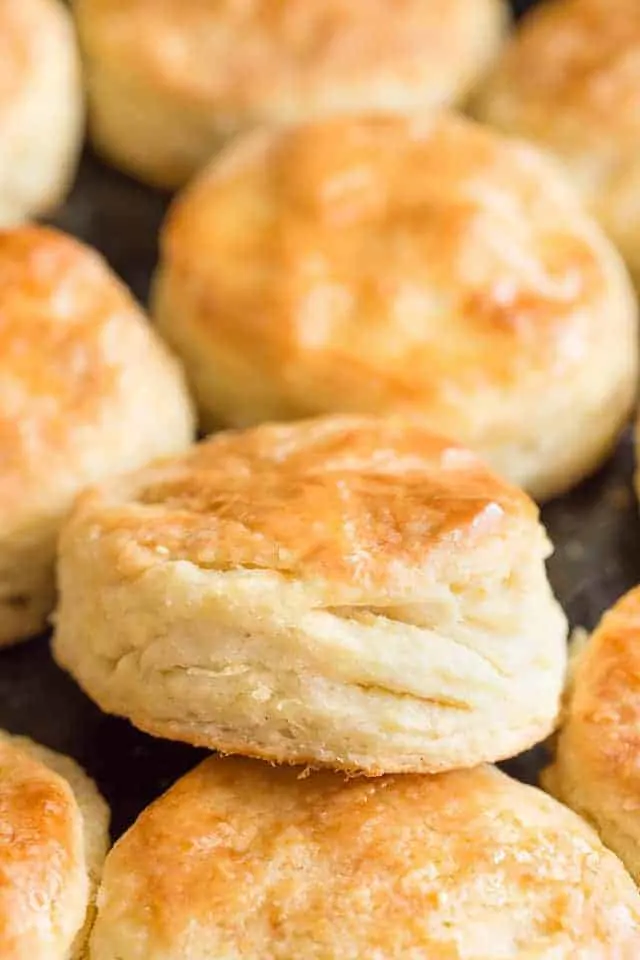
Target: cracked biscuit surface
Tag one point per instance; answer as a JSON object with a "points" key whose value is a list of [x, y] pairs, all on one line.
{"points": [[422, 266], [354, 592], [596, 769], [171, 80], [246, 862], [53, 841], [86, 390]]}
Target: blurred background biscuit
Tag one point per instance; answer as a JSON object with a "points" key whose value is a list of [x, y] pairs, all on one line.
{"points": [[53, 841], [171, 80], [240, 860], [395, 265], [570, 81], [351, 592], [41, 107], [86, 390]]}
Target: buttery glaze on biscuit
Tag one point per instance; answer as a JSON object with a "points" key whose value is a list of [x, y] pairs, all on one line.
{"points": [[597, 764], [387, 265], [349, 592], [570, 81], [53, 841], [242, 860], [171, 80], [41, 107], [86, 390]]}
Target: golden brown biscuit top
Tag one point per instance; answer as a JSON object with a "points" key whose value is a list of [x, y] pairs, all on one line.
{"points": [[267, 862], [67, 328], [421, 261], [358, 502], [239, 53], [579, 61], [40, 850], [603, 713]]}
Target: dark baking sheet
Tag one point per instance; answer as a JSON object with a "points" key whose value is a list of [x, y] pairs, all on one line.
{"points": [[596, 531]]}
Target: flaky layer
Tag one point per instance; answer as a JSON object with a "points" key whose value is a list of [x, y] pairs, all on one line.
{"points": [[570, 81], [393, 265], [347, 591], [86, 391], [54, 837], [170, 81], [242, 860], [597, 765]]}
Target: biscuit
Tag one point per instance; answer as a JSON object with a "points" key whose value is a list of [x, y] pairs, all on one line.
{"points": [[170, 81], [570, 81], [86, 390], [391, 265], [349, 592], [240, 860], [596, 769], [53, 841], [41, 107]]}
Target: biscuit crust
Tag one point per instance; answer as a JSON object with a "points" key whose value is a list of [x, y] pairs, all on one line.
{"points": [[41, 107], [349, 592], [415, 266], [86, 390], [570, 81], [53, 841], [240, 860], [171, 80], [597, 763]]}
